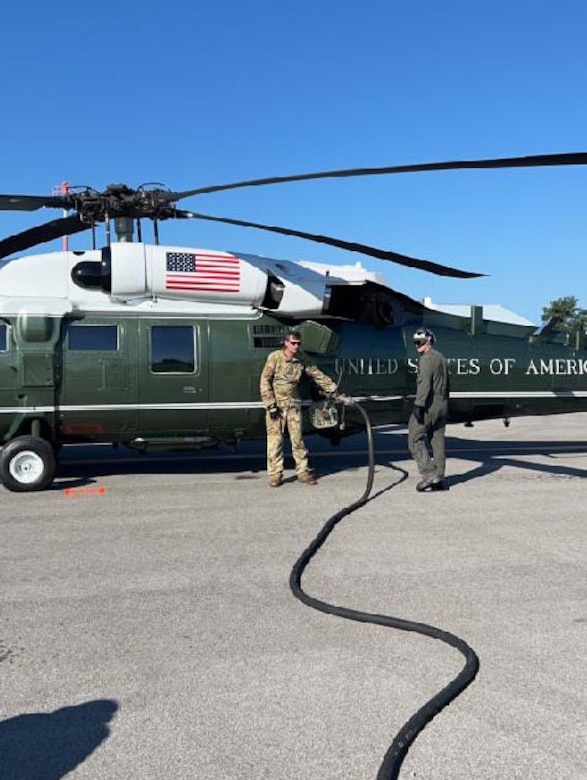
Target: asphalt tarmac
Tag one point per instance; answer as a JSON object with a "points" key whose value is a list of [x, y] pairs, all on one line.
{"points": [[148, 629]]}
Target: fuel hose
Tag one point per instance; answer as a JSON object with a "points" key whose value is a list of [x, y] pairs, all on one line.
{"points": [[395, 755]]}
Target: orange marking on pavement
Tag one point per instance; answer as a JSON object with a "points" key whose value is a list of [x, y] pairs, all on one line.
{"points": [[78, 492]]}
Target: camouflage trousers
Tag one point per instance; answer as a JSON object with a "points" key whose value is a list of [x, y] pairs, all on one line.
{"points": [[290, 421], [426, 444]]}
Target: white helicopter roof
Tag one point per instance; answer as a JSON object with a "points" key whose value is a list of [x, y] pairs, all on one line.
{"points": [[491, 311], [350, 273], [171, 279]]}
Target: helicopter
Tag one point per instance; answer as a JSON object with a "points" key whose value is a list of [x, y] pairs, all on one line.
{"points": [[160, 347]]}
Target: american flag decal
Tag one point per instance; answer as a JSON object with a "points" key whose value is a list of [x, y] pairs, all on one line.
{"points": [[202, 272]]}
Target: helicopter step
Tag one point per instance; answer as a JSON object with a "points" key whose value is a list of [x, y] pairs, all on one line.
{"points": [[173, 443]]}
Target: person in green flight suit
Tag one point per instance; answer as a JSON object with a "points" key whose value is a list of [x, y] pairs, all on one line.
{"points": [[427, 423], [280, 393]]}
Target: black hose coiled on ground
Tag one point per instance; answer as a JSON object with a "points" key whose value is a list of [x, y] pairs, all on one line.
{"points": [[390, 767]]}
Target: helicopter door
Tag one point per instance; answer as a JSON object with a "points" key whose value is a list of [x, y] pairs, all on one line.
{"points": [[97, 397], [173, 382], [234, 380]]}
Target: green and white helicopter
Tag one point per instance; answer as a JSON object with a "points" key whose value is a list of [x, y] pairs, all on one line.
{"points": [[161, 347]]}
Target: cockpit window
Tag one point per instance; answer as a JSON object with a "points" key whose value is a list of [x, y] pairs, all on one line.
{"points": [[3, 338], [92, 337]]}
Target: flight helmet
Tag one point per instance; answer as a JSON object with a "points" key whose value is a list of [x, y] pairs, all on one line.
{"points": [[422, 335]]}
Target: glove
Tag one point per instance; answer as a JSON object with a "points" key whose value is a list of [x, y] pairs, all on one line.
{"points": [[274, 412], [418, 413], [345, 400]]}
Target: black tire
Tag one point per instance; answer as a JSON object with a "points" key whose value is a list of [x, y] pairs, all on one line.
{"points": [[27, 463]]}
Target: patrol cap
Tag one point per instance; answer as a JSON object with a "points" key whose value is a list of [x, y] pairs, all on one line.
{"points": [[422, 335]]}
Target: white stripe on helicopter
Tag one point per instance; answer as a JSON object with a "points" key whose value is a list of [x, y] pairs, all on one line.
{"points": [[259, 404]]}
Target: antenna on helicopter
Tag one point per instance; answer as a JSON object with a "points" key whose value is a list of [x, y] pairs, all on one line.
{"points": [[62, 189]]}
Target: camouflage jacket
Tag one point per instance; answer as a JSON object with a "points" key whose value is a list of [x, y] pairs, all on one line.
{"points": [[280, 378]]}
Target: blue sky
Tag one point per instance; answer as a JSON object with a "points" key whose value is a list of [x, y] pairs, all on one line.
{"points": [[194, 93]]}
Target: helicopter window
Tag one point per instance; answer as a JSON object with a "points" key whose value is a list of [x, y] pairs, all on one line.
{"points": [[3, 338], [89, 337], [173, 349]]}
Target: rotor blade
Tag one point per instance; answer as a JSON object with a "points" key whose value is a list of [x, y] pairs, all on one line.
{"points": [[66, 226], [33, 202], [381, 254], [533, 161]]}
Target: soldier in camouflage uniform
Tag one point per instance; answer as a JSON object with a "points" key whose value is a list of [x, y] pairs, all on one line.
{"points": [[280, 394], [427, 422]]}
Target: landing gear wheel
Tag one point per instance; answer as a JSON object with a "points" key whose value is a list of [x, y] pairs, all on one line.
{"points": [[27, 463]]}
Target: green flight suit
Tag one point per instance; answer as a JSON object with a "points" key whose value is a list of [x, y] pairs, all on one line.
{"points": [[432, 393], [280, 387]]}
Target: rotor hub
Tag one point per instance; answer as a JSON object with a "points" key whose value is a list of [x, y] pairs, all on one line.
{"points": [[118, 200]]}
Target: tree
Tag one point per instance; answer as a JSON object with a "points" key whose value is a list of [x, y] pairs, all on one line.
{"points": [[567, 313]]}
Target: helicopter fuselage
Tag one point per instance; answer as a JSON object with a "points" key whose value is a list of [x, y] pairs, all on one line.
{"points": [[118, 345]]}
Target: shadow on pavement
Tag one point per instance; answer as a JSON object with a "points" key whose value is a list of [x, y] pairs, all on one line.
{"points": [[50, 745], [81, 465]]}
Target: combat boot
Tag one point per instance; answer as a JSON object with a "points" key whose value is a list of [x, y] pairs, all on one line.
{"points": [[307, 479], [275, 481], [432, 484], [424, 484]]}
